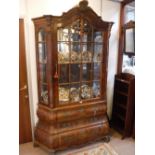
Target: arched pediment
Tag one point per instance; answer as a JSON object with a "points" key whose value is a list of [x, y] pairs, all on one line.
{"points": [[85, 12], [81, 11]]}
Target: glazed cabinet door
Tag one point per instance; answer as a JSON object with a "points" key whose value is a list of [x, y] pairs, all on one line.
{"points": [[80, 62], [42, 65]]}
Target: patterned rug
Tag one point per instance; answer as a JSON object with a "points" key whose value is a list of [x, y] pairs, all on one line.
{"points": [[100, 149]]}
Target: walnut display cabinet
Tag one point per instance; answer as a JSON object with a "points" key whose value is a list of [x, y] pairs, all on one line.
{"points": [[72, 58]]}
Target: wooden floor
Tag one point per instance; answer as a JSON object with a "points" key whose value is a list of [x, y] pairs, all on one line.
{"points": [[122, 147]]}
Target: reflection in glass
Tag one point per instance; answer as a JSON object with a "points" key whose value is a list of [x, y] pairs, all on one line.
{"points": [[63, 34], [97, 52], [75, 52], [63, 73], [63, 94], [43, 73], [98, 39], [86, 91], [97, 71], [63, 52], [129, 40], [44, 94], [41, 35], [86, 72], [42, 53], [75, 93], [87, 52], [75, 73], [75, 35], [75, 31], [87, 32], [96, 89]]}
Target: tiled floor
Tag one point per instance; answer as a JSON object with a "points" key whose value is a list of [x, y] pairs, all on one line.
{"points": [[122, 147]]}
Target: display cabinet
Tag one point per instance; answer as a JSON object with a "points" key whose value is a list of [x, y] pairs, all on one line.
{"points": [[72, 58]]}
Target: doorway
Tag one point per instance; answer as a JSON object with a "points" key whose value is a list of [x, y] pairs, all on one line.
{"points": [[25, 130]]}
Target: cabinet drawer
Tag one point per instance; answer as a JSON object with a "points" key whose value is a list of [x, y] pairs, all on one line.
{"points": [[83, 135], [81, 112]]}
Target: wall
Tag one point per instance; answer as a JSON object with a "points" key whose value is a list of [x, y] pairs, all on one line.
{"points": [[111, 12], [29, 9]]}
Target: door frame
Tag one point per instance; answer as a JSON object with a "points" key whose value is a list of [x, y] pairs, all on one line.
{"points": [[28, 76]]}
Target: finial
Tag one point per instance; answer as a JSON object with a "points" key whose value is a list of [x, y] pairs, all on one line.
{"points": [[83, 4]]}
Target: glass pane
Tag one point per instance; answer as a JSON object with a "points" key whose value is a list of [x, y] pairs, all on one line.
{"points": [[63, 34], [98, 38], [41, 35], [75, 52], [98, 46], [86, 91], [42, 53], [96, 89], [43, 73], [44, 94], [86, 72], [63, 73], [129, 40], [75, 31], [97, 71], [75, 93], [86, 52], [87, 32], [63, 52], [63, 94], [75, 72]]}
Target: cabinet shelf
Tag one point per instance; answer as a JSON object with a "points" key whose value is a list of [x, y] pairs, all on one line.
{"points": [[81, 42], [43, 83], [43, 62], [41, 42], [119, 116], [122, 80], [81, 62], [121, 93], [70, 83], [121, 106]]}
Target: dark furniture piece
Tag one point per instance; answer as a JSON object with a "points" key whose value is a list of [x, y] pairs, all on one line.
{"points": [[123, 104], [72, 58]]}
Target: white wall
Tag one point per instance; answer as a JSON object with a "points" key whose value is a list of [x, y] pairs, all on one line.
{"points": [[111, 12], [35, 8]]}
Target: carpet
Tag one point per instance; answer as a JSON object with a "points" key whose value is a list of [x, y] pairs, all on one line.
{"points": [[100, 149]]}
